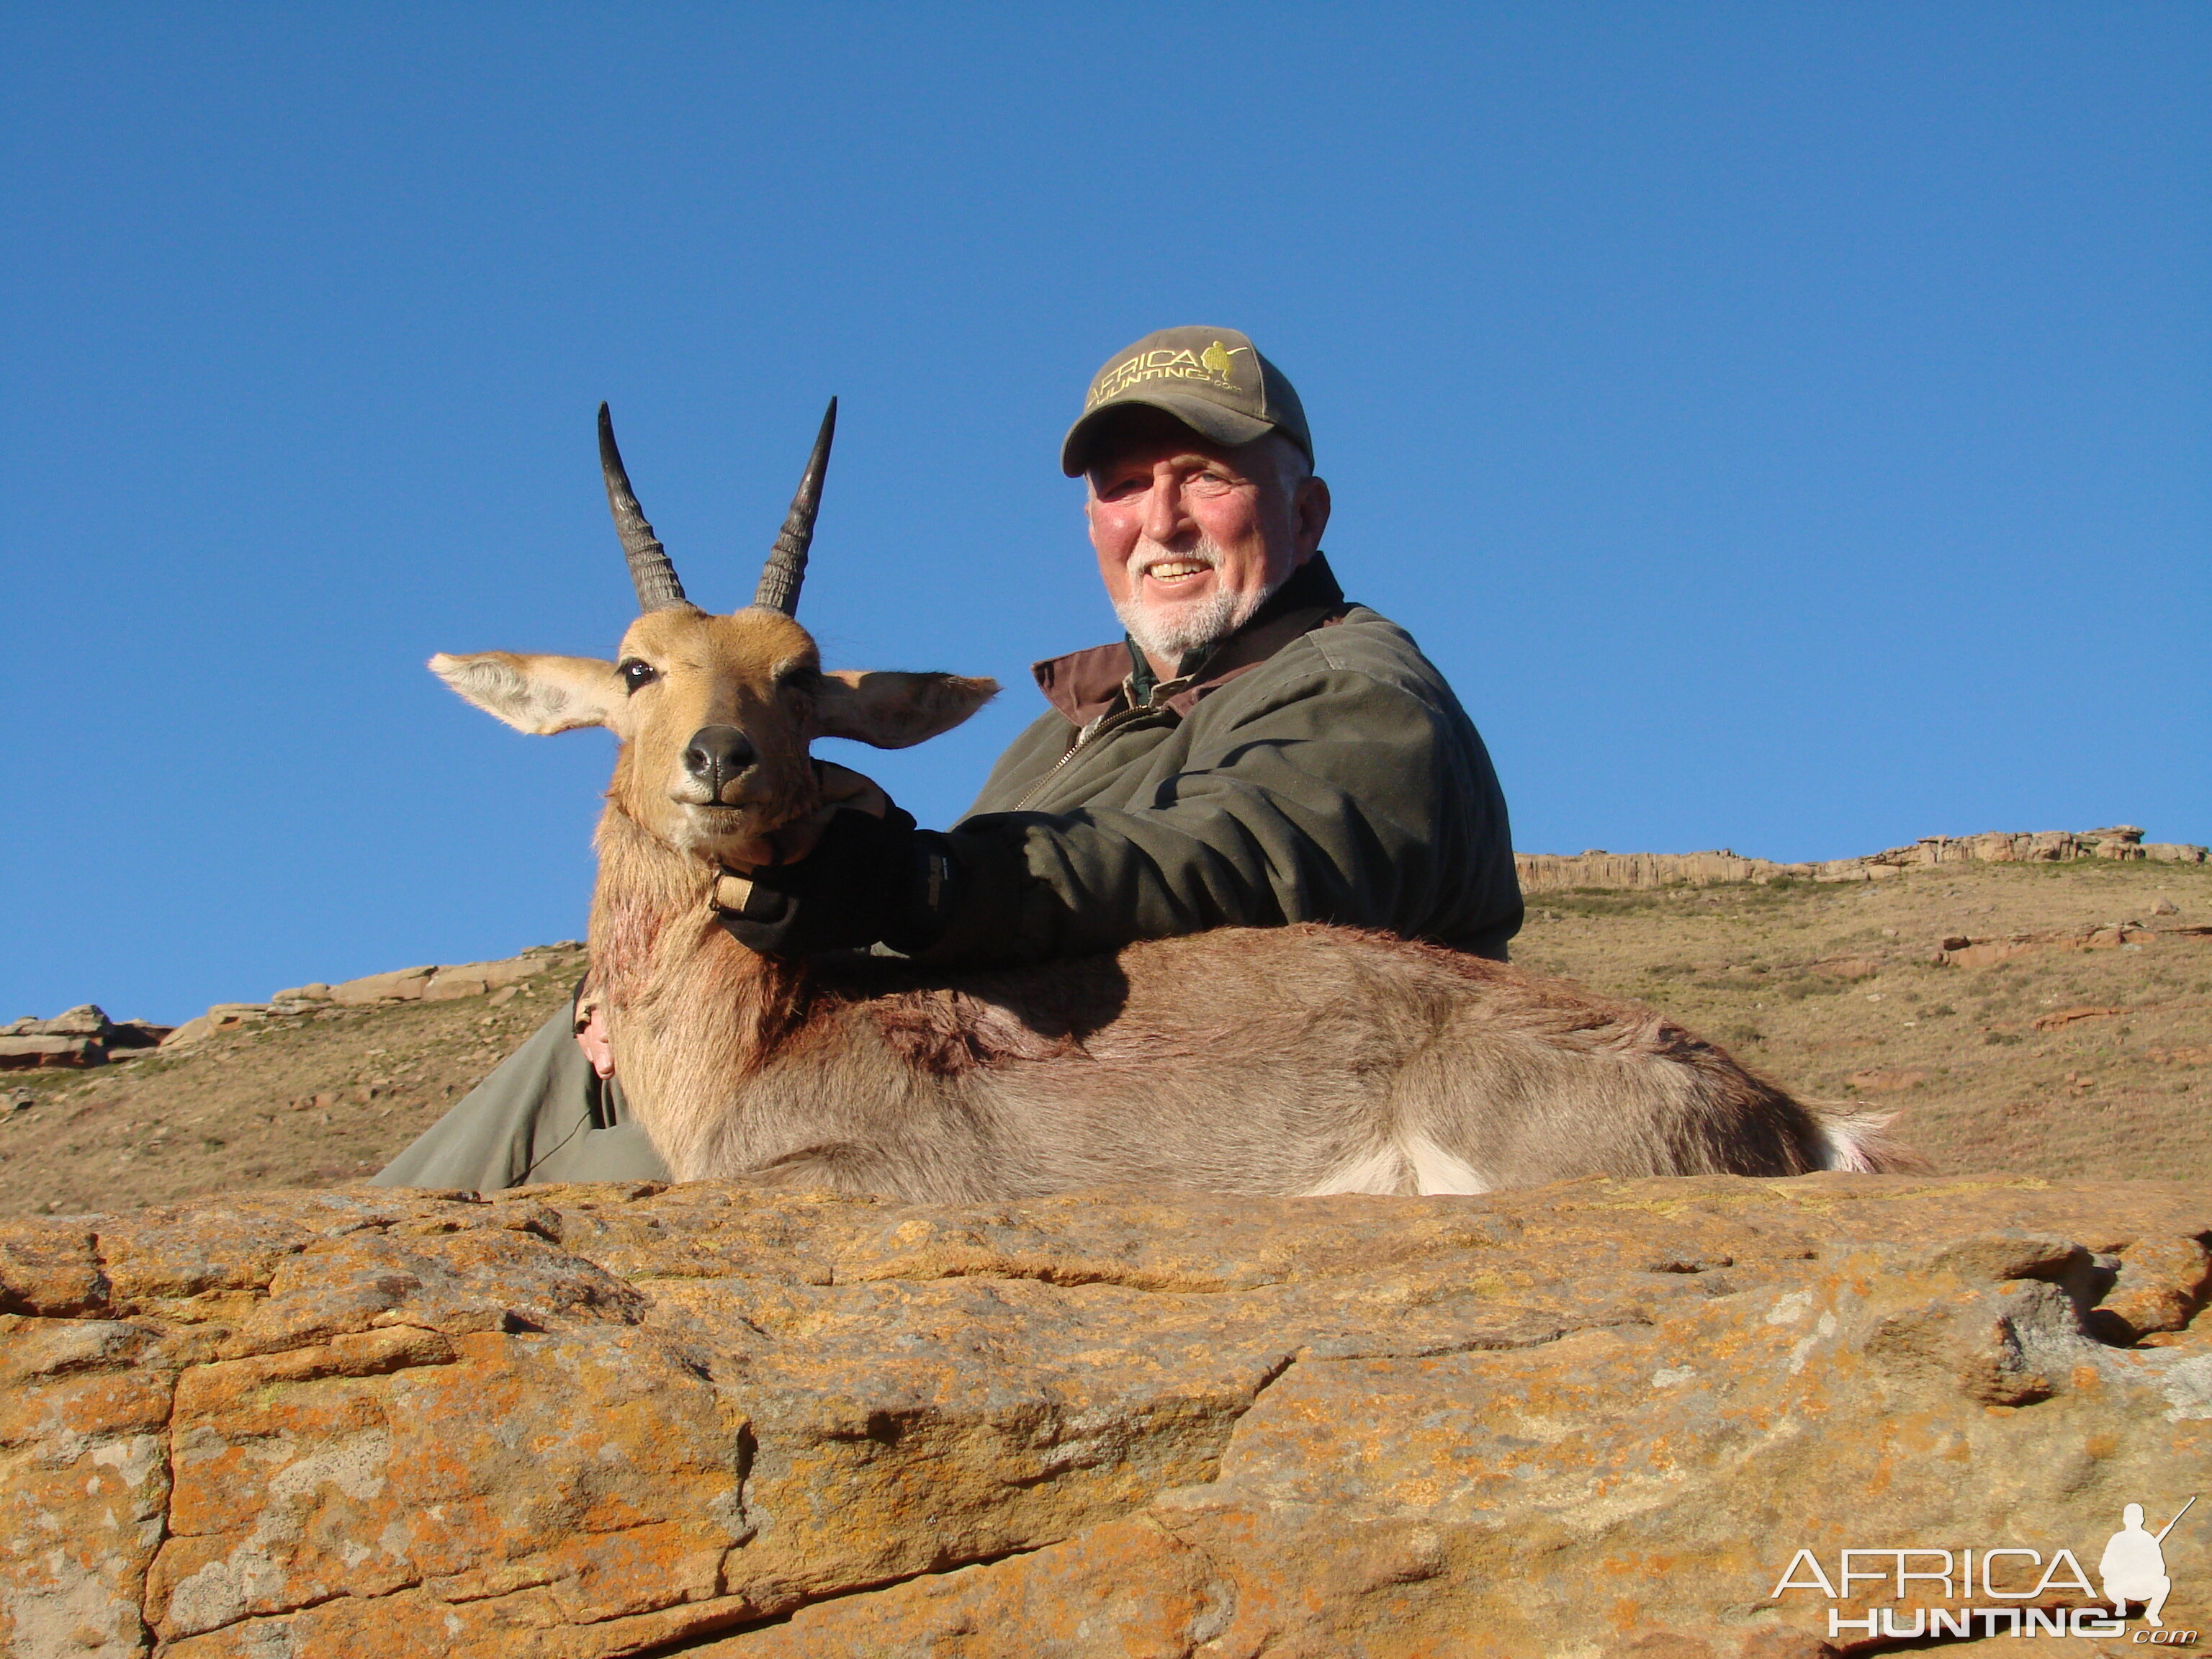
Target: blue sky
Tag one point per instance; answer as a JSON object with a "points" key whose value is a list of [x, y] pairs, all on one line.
{"points": [[1786, 424]]}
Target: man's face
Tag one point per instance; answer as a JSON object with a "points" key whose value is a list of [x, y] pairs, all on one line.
{"points": [[1193, 536]]}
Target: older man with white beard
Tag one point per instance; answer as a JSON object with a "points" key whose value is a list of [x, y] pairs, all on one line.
{"points": [[1254, 752]]}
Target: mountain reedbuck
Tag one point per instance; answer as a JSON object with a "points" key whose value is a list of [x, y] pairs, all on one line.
{"points": [[1296, 1060]]}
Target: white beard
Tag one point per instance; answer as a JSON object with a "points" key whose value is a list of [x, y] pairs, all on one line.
{"points": [[1169, 634]]}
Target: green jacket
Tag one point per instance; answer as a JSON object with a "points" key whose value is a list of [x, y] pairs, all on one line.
{"points": [[1315, 768]]}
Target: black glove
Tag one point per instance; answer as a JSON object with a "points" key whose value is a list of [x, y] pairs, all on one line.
{"points": [[868, 878]]}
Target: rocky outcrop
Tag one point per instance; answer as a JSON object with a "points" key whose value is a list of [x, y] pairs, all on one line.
{"points": [[1554, 871], [433, 984], [80, 1036], [1600, 1419]]}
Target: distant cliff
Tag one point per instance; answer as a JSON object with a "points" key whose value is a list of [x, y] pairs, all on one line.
{"points": [[1546, 872]]}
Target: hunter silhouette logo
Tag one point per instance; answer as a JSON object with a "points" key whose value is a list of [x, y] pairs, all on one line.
{"points": [[2131, 1571], [2133, 1566], [1216, 361]]}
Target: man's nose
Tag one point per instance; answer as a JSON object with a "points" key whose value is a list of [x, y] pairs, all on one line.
{"points": [[1164, 518], [717, 755]]}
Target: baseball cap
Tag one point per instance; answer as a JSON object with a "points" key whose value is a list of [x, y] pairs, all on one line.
{"points": [[1212, 379]]}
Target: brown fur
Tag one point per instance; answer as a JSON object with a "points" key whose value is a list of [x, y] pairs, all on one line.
{"points": [[1286, 1060]]}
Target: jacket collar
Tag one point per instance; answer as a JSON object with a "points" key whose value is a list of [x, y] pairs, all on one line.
{"points": [[1087, 685]]}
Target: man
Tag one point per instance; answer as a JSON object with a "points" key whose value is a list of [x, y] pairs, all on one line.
{"points": [[1255, 751]]}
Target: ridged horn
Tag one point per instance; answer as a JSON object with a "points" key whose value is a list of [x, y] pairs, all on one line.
{"points": [[649, 567], [787, 563]]}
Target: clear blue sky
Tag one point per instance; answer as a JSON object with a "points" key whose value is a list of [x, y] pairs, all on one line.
{"points": [[1786, 424]]}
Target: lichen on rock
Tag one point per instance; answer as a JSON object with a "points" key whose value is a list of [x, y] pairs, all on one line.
{"points": [[600, 1420]]}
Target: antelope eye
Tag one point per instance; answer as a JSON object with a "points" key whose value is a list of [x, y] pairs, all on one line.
{"points": [[635, 674]]}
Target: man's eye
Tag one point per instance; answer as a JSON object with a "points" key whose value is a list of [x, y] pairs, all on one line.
{"points": [[635, 674]]}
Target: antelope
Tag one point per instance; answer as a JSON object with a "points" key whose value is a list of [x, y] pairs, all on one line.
{"points": [[1301, 1060]]}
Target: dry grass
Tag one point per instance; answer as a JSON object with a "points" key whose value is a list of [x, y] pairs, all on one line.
{"points": [[1831, 991], [240, 1110], [1828, 989]]}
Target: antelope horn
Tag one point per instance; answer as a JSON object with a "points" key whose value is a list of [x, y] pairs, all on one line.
{"points": [[657, 586], [786, 564]]}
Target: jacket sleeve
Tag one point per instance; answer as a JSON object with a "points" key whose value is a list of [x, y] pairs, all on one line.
{"points": [[1338, 798]]}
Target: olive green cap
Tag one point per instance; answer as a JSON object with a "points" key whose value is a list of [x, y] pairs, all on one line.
{"points": [[1212, 379]]}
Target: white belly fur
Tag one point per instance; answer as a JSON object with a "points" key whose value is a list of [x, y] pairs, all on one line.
{"points": [[1412, 1164]]}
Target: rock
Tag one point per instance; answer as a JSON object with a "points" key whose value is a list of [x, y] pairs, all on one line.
{"points": [[223, 1017], [17, 1100], [403, 985], [22, 1052], [2165, 906], [2162, 1284], [1551, 873], [135, 1035], [1886, 1082], [87, 1019], [1597, 1419], [303, 993], [189, 1033], [2059, 1017], [2171, 852], [474, 978]]}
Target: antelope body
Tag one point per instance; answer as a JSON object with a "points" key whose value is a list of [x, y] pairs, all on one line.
{"points": [[1298, 1059]]}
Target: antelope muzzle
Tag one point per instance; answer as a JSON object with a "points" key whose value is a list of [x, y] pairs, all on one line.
{"points": [[718, 761]]}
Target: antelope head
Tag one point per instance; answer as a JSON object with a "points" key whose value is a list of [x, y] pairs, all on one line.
{"points": [[715, 713]]}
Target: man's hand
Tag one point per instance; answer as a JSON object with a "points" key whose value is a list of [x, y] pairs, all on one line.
{"points": [[851, 874], [591, 1029], [865, 880], [591, 1037], [839, 787]]}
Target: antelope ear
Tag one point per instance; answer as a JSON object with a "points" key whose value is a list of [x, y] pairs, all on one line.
{"points": [[894, 711], [536, 694]]}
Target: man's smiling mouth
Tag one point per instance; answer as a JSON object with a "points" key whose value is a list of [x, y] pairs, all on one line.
{"points": [[1175, 570]]}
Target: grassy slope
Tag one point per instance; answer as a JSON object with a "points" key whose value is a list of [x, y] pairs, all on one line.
{"points": [[1955, 1049], [1977, 1085], [239, 1109]]}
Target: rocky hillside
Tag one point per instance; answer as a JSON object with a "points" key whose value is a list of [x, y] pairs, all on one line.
{"points": [[1600, 1420], [2044, 1016]]}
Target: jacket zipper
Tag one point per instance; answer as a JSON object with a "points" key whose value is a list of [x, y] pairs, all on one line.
{"points": [[1084, 739]]}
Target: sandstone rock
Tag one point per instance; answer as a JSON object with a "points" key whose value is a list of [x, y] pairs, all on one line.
{"points": [[1597, 1419], [134, 1034], [2059, 1017], [87, 1019], [1550, 873], [473, 979], [189, 1033], [317, 993], [402, 985], [22, 1052], [1888, 1081]]}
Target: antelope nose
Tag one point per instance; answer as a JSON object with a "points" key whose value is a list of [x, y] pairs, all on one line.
{"points": [[717, 754]]}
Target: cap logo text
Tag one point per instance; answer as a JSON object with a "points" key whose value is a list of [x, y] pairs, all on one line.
{"points": [[1213, 365]]}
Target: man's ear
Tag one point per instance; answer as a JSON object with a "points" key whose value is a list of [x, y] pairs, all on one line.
{"points": [[538, 694], [893, 711]]}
